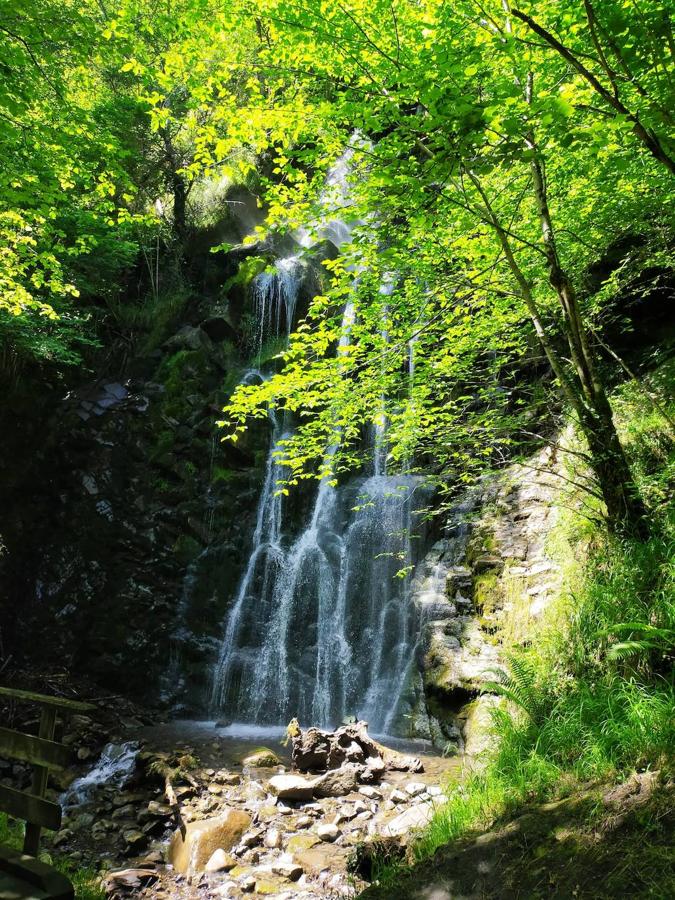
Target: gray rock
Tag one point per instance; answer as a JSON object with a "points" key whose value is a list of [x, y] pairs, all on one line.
{"points": [[414, 788], [291, 787], [338, 782], [370, 792], [328, 832], [412, 819]]}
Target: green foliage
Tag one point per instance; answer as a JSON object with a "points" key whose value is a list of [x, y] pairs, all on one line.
{"points": [[221, 475], [521, 685], [641, 639], [64, 190], [11, 832], [163, 445]]}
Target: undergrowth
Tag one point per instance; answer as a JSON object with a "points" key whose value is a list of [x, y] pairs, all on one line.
{"points": [[592, 699]]}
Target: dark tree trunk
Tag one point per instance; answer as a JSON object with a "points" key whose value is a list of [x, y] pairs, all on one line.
{"points": [[579, 382], [179, 204], [625, 509], [178, 186]]}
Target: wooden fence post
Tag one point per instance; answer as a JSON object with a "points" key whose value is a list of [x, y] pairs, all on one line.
{"points": [[31, 844]]}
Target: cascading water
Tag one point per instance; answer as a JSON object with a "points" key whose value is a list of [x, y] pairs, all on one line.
{"points": [[326, 629], [321, 626], [275, 296]]}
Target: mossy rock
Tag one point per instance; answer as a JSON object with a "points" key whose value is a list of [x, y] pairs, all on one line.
{"points": [[267, 887], [261, 758], [302, 842], [186, 549]]}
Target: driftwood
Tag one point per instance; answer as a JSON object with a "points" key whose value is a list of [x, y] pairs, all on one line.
{"points": [[315, 750]]}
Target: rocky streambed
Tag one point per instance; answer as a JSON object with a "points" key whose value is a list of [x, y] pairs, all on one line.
{"points": [[207, 812]]}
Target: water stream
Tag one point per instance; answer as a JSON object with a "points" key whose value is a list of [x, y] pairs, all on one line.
{"points": [[321, 625]]}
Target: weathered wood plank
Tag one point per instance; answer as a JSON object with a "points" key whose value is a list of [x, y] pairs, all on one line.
{"points": [[31, 840], [33, 878], [47, 700], [28, 748], [30, 808]]}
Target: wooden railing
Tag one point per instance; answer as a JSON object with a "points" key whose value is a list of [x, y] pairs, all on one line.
{"points": [[44, 753]]}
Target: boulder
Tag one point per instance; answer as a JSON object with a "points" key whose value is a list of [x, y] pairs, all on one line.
{"points": [[338, 782], [189, 338], [291, 787], [192, 847], [312, 750], [262, 758], [316, 750]]}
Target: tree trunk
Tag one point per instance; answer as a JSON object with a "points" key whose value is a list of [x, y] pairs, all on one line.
{"points": [[581, 388], [179, 203], [625, 509], [178, 186]]}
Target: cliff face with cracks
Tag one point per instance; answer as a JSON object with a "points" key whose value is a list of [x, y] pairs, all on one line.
{"points": [[491, 571], [111, 493]]}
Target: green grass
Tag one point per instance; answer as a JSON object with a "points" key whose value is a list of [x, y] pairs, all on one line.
{"points": [[85, 880], [593, 698]]}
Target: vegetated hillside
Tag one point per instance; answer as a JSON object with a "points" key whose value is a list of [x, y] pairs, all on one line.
{"points": [[573, 795]]}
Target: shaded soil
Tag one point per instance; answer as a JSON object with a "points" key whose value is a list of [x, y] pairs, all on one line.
{"points": [[599, 843]]}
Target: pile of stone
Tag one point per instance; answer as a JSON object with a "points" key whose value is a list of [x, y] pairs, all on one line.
{"points": [[266, 831]]}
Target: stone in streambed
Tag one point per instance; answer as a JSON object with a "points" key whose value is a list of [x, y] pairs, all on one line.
{"points": [[251, 839], [301, 842], [338, 782], [288, 869], [413, 818], [190, 852], [370, 792], [220, 861], [291, 787], [414, 788], [128, 880], [273, 839], [328, 832], [262, 758]]}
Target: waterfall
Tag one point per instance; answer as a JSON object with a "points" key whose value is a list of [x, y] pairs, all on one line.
{"points": [[321, 625], [331, 633], [275, 296]]}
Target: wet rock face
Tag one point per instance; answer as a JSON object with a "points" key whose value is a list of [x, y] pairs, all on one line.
{"points": [[492, 564], [125, 513]]}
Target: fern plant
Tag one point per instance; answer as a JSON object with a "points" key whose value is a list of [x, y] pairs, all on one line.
{"points": [[521, 686], [641, 639]]}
